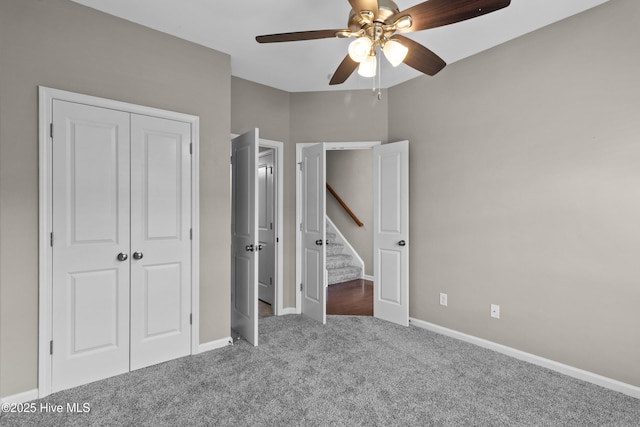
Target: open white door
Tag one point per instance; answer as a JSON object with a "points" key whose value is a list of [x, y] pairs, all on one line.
{"points": [[313, 232], [391, 232], [244, 236]]}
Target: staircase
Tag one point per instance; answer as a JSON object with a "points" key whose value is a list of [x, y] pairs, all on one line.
{"points": [[340, 266]]}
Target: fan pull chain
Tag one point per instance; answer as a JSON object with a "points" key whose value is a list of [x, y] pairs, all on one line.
{"points": [[379, 65], [379, 78]]}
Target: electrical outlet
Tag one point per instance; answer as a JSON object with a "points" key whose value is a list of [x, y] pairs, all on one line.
{"points": [[443, 299], [495, 311]]}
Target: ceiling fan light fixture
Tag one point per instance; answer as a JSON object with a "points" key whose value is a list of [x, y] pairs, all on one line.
{"points": [[395, 52], [360, 48], [403, 23], [367, 68]]}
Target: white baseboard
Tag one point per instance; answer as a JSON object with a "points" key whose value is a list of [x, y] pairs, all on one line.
{"points": [[367, 277], [571, 371], [214, 345], [23, 397], [288, 310]]}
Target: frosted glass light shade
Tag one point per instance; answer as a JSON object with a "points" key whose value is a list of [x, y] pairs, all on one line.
{"points": [[395, 52], [367, 68], [359, 49]]}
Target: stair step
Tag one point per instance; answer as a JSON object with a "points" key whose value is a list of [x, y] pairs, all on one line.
{"points": [[344, 274], [331, 236], [334, 248], [338, 261]]}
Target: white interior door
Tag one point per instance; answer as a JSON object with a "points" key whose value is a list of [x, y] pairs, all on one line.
{"points": [[391, 232], [313, 232], [160, 256], [244, 236], [266, 230], [90, 291]]}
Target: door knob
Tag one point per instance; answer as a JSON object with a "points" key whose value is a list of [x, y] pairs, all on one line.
{"points": [[137, 255], [402, 243], [319, 242], [122, 256], [260, 247], [248, 248]]}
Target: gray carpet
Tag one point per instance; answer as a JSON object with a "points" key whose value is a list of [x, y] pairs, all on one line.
{"points": [[352, 371]]}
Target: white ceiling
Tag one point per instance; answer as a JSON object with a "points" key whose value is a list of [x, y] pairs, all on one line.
{"points": [[303, 66]]}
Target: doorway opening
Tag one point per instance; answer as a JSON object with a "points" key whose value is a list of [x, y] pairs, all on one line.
{"points": [[257, 227], [349, 251], [266, 231], [390, 228]]}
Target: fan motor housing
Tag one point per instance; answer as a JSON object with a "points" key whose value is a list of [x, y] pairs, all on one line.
{"points": [[386, 9]]}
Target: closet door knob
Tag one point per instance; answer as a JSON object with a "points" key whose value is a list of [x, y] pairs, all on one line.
{"points": [[319, 242], [402, 243], [122, 256], [248, 248], [137, 255]]}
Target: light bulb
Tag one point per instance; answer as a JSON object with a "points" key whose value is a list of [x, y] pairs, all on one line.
{"points": [[395, 52], [403, 23], [367, 68], [359, 49]]}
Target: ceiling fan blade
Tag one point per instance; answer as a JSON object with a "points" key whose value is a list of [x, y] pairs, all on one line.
{"points": [[436, 13], [300, 35], [360, 5], [345, 69], [419, 57]]}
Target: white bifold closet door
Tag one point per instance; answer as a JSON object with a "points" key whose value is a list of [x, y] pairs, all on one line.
{"points": [[121, 245]]}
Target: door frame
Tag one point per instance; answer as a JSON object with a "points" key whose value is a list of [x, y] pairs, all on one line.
{"points": [[46, 96], [278, 148], [358, 145]]}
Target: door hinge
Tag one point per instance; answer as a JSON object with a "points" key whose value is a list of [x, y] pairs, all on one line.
{"points": [[51, 130], [300, 287], [191, 148], [231, 159], [51, 239], [51, 347], [191, 318], [277, 240], [271, 280], [270, 226], [271, 170], [191, 234], [301, 229], [301, 166]]}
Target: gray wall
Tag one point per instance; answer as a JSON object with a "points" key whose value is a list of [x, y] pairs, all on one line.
{"points": [[63, 45], [339, 116], [525, 178]]}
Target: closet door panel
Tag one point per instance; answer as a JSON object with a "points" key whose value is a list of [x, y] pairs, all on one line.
{"points": [[90, 210], [160, 240]]}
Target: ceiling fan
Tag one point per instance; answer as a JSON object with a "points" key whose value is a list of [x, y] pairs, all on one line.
{"points": [[376, 24]]}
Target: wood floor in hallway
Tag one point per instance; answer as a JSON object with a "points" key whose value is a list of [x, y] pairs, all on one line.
{"points": [[352, 298]]}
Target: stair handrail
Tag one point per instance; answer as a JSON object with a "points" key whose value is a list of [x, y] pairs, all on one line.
{"points": [[344, 206]]}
